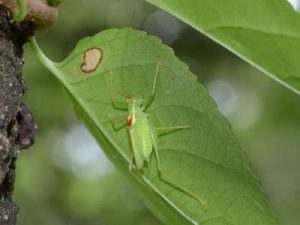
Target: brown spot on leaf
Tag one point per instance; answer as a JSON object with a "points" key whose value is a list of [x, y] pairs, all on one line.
{"points": [[92, 59]]}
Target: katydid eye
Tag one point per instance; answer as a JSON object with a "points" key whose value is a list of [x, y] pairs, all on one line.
{"points": [[141, 101]]}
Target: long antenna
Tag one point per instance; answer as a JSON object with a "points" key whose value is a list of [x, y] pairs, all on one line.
{"points": [[124, 54], [123, 62]]}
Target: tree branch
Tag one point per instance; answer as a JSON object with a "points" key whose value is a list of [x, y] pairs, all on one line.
{"points": [[17, 127]]}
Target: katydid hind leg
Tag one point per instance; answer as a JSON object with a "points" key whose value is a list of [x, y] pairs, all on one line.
{"points": [[165, 178], [179, 187], [155, 147], [131, 163]]}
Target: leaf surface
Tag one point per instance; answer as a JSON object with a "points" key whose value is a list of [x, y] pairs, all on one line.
{"points": [[205, 159], [264, 33]]}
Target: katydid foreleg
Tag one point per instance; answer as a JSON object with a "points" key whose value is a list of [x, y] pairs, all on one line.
{"points": [[151, 98], [121, 105], [117, 122]]}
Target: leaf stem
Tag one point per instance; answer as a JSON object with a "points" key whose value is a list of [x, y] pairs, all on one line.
{"points": [[48, 63]]}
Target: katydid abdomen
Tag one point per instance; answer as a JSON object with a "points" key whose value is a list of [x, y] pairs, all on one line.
{"points": [[139, 128]]}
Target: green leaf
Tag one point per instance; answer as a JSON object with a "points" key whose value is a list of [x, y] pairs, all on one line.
{"points": [[205, 159], [264, 33]]}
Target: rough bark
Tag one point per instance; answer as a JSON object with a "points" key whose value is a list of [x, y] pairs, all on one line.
{"points": [[17, 127]]}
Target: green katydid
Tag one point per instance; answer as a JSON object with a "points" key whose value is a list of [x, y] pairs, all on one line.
{"points": [[142, 133]]}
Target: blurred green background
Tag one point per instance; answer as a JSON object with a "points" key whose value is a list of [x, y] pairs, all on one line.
{"points": [[65, 179]]}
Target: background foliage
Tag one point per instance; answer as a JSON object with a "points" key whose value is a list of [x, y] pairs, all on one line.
{"points": [[78, 185]]}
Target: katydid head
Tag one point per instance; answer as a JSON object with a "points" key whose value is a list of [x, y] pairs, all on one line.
{"points": [[136, 102]]}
